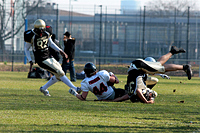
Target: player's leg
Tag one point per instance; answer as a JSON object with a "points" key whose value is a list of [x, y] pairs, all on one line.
{"points": [[119, 92], [163, 59], [52, 81], [174, 67], [58, 72], [72, 71], [174, 50], [65, 66], [53, 66]]}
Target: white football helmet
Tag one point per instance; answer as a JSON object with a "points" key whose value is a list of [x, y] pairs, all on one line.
{"points": [[154, 93], [151, 59], [131, 67]]}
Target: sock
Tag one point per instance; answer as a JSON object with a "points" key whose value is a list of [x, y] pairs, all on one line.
{"points": [[52, 81], [68, 82]]}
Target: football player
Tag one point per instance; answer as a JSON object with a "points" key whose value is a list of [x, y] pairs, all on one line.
{"points": [[137, 74], [99, 83], [40, 41]]}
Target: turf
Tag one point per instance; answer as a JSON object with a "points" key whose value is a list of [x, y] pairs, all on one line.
{"points": [[24, 108]]}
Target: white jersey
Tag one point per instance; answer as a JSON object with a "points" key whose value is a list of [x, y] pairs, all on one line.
{"points": [[97, 84]]}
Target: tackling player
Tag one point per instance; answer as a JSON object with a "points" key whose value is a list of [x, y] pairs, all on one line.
{"points": [[100, 84], [40, 41]]}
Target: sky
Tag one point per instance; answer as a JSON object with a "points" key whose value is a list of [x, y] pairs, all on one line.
{"points": [[88, 6]]}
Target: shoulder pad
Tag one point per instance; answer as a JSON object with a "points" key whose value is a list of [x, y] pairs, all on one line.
{"points": [[28, 35], [48, 34]]}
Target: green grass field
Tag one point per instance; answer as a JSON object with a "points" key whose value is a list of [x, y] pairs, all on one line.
{"points": [[24, 108]]}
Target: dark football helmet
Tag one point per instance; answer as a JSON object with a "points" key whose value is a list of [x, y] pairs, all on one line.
{"points": [[39, 26], [89, 69]]}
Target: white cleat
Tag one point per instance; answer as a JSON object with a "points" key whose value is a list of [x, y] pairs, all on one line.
{"points": [[45, 92]]}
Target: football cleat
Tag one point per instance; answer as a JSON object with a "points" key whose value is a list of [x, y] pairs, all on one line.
{"points": [[45, 92], [79, 90], [73, 91], [188, 70], [175, 50]]}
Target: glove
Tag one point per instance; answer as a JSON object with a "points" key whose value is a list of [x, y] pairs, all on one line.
{"points": [[73, 91], [164, 76]]}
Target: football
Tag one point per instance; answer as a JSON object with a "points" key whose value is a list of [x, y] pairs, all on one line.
{"points": [[110, 84]]}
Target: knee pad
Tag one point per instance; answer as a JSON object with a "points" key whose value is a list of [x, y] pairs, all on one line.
{"points": [[59, 73]]}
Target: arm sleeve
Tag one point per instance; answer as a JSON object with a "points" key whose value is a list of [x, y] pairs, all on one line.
{"points": [[53, 45], [105, 75], [27, 52]]}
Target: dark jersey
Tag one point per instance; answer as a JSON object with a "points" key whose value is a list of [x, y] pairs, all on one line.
{"points": [[28, 36], [39, 44], [131, 78], [40, 47], [133, 74]]}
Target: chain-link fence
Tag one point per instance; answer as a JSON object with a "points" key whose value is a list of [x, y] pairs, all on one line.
{"points": [[106, 35]]}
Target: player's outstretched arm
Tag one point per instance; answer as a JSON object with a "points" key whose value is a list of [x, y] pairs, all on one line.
{"points": [[81, 97], [63, 54]]}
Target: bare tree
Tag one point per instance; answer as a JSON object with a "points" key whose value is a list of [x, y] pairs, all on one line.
{"points": [[167, 7], [16, 9]]}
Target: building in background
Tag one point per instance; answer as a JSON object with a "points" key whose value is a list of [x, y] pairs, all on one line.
{"points": [[130, 6]]}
